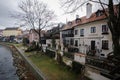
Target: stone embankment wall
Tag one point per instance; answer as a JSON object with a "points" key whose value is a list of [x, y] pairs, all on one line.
{"points": [[24, 67], [22, 70]]}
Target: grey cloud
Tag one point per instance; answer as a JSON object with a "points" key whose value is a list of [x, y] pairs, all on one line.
{"points": [[7, 7]]}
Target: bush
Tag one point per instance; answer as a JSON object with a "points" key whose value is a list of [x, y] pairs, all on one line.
{"points": [[71, 49], [33, 47], [25, 41], [59, 58], [69, 55], [77, 67], [29, 49], [50, 53]]}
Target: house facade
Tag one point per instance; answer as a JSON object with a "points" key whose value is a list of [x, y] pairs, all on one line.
{"points": [[33, 36], [93, 38], [91, 34], [25, 33], [1, 32], [53, 37], [67, 38], [12, 31]]}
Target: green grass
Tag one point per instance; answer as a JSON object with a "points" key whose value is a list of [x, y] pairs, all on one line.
{"points": [[19, 45], [51, 69]]}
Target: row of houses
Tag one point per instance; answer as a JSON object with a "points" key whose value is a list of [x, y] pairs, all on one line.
{"points": [[87, 35], [46, 36], [10, 33], [14, 31]]}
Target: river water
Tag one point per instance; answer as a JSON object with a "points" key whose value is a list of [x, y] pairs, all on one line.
{"points": [[7, 70]]}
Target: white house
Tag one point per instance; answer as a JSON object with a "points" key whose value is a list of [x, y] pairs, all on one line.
{"points": [[91, 33], [95, 37]]}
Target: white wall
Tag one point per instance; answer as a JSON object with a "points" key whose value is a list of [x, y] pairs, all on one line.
{"points": [[97, 37], [79, 58], [49, 41]]}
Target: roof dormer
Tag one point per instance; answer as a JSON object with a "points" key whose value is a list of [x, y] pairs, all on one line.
{"points": [[69, 23], [99, 13]]}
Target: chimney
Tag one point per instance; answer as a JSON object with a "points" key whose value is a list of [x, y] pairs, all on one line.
{"points": [[77, 16], [88, 10]]}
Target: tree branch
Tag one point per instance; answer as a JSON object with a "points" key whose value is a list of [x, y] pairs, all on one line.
{"points": [[99, 2]]}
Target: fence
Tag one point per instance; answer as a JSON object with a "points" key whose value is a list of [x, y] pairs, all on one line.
{"points": [[100, 63]]}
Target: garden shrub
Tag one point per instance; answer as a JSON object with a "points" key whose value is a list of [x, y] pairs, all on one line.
{"points": [[33, 47], [69, 55], [59, 58], [50, 53], [25, 41], [77, 67], [71, 49], [68, 67]]}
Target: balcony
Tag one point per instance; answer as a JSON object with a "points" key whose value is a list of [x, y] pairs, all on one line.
{"points": [[105, 33], [67, 35], [81, 35]]}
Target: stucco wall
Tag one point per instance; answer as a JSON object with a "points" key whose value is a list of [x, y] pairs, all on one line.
{"points": [[85, 42], [11, 32]]}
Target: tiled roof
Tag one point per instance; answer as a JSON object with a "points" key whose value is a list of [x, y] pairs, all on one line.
{"points": [[93, 17], [42, 31], [83, 20], [12, 28]]}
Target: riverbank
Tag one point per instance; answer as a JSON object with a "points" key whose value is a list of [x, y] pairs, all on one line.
{"points": [[22, 70], [42, 64], [49, 67]]}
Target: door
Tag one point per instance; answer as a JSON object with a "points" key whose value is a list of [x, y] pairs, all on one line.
{"points": [[92, 45]]}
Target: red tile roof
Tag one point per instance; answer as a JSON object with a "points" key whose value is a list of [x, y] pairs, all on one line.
{"points": [[93, 17], [12, 28], [42, 31], [84, 20]]}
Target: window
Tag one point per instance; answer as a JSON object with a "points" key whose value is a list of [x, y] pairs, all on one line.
{"points": [[76, 32], [105, 44], [71, 41], [69, 23], [81, 32], [99, 13], [78, 20], [93, 29], [76, 42], [104, 29]]}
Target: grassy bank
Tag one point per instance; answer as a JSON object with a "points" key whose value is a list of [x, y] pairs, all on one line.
{"points": [[51, 68]]}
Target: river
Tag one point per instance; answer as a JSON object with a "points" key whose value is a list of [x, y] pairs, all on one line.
{"points": [[7, 70]]}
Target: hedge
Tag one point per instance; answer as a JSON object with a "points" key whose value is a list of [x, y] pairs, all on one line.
{"points": [[77, 67], [50, 53], [70, 49], [69, 55]]}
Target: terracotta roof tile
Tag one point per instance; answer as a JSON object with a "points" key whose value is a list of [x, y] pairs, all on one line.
{"points": [[84, 20], [93, 17], [12, 28]]}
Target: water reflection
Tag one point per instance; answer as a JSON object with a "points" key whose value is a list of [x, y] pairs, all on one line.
{"points": [[7, 70]]}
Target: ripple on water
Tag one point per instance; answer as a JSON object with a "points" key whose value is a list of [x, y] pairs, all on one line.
{"points": [[7, 70]]}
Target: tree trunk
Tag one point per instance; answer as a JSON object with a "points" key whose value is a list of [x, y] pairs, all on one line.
{"points": [[116, 47], [40, 40], [114, 26]]}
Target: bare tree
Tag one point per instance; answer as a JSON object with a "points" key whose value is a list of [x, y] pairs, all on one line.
{"points": [[37, 15], [113, 16]]}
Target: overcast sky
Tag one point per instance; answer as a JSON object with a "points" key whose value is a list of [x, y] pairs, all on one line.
{"points": [[8, 7]]}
